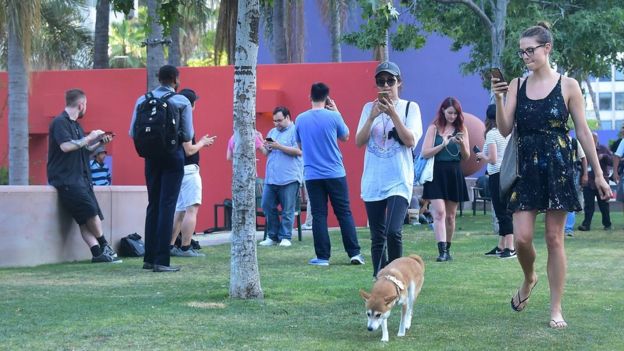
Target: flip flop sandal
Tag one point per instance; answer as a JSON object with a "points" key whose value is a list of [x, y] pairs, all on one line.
{"points": [[522, 302], [558, 324]]}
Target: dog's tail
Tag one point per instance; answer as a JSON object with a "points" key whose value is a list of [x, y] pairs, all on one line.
{"points": [[419, 260]]}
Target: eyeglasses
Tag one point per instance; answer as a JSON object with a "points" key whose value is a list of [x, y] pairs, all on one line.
{"points": [[276, 121], [528, 51], [381, 82]]}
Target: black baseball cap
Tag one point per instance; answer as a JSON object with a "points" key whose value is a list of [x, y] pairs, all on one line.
{"points": [[189, 94]]}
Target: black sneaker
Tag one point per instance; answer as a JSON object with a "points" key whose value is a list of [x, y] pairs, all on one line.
{"points": [[583, 228], [607, 227], [109, 251], [105, 258], [494, 252], [507, 253]]}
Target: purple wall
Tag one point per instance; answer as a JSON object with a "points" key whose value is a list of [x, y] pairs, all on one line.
{"points": [[430, 74]]}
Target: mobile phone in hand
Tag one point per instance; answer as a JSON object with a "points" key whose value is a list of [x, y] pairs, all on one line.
{"points": [[269, 139], [382, 95], [495, 72], [476, 149]]}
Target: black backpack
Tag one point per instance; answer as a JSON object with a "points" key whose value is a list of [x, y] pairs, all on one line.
{"points": [[131, 246], [157, 126]]}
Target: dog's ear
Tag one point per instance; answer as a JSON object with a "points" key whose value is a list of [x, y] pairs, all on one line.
{"points": [[389, 299], [364, 295]]}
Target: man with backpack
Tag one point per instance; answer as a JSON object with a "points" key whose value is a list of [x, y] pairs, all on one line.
{"points": [[162, 120]]}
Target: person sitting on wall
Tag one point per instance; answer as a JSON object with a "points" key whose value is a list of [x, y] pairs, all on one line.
{"points": [[100, 173], [68, 171]]}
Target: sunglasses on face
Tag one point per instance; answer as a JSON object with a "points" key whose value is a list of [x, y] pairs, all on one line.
{"points": [[528, 51], [382, 82]]}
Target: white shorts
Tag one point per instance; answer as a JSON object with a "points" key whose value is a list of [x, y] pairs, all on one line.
{"points": [[191, 189]]}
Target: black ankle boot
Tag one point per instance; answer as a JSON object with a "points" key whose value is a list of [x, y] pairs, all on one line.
{"points": [[448, 250], [444, 256]]}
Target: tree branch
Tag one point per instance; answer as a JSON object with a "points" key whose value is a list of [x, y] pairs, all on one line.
{"points": [[472, 6]]}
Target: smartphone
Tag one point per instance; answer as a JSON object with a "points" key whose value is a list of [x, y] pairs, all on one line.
{"points": [[269, 139], [495, 72], [459, 134], [382, 95], [476, 149]]}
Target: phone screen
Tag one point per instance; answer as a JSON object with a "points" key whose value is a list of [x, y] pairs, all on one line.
{"points": [[269, 139], [382, 95], [476, 149]]}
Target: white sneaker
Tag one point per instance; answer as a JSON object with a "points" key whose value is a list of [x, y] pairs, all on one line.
{"points": [[267, 242], [306, 227], [285, 243]]}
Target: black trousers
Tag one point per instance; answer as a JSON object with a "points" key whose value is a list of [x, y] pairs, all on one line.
{"points": [[385, 218], [163, 177], [589, 207], [505, 222]]}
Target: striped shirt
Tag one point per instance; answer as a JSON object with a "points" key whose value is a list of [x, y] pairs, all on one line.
{"points": [[495, 137], [100, 174]]}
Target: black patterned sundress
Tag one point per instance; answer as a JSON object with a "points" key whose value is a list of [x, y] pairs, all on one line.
{"points": [[544, 155]]}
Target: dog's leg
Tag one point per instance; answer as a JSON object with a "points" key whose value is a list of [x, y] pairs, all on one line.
{"points": [[411, 297], [402, 325], [384, 330]]}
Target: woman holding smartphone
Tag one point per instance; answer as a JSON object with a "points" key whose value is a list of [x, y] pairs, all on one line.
{"points": [[539, 105], [389, 127], [447, 140]]}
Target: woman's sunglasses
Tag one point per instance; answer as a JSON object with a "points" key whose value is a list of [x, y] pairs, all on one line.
{"points": [[382, 82]]}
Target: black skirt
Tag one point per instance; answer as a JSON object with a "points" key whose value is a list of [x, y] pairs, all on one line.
{"points": [[448, 183]]}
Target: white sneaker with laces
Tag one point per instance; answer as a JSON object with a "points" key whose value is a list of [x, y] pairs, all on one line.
{"points": [[306, 226], [267, 242], [285, 243]]}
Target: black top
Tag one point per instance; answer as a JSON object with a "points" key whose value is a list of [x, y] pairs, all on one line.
{"points": [[65, 168], [193, 159]]}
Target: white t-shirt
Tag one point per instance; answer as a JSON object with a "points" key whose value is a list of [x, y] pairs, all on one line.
{"points": [[495, 137], [388, 165]]}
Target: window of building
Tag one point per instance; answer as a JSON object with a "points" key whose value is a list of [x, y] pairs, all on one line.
{"points": [[619, 74], [604, 101], [606, 78], [619, 101]]}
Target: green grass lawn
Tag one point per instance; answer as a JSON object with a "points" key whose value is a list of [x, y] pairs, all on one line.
{"points": [[464, 304]]}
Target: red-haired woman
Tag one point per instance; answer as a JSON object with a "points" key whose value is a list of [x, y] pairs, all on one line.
{"points": [[447, 140]]}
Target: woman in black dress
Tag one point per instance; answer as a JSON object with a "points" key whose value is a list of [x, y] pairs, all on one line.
{"points": [[447, 140], [540, 105]]}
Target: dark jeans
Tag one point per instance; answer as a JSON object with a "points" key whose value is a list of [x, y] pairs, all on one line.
{"points": [[338, 193], [163, 178], [589, 195], [505, 223], [286, 196], [386, 215]]}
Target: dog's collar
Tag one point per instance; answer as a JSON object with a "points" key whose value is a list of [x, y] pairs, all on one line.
{"points": [[399, 285]]}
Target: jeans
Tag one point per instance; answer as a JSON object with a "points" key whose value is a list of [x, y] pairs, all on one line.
{"points": [[319, 190], [385, 218], [163, 178], [570, 220], [286, 196]]}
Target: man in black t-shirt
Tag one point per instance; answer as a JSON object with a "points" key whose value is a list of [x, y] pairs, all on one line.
{"points": [[68, 171], [190, 195]]}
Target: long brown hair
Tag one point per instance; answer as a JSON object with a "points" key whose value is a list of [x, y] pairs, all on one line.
{"points": [[440, 121]]}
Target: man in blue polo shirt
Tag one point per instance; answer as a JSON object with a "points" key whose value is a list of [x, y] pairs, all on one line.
{"points": [[318, 131], [284, 175]]}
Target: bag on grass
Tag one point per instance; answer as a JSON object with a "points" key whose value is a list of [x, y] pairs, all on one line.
{"points": [[132, 246]]}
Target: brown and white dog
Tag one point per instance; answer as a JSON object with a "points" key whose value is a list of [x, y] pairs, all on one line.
{"points": [[399, 282]]}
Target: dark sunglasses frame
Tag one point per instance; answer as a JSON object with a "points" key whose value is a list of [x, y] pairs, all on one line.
{"points": [[382, 82]]}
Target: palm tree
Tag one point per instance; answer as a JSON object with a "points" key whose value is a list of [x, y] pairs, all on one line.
{"points": [[334, 14], [125, 42], [19, 18], [100, 37], [244, 275], [225, 39], [154, 43]]}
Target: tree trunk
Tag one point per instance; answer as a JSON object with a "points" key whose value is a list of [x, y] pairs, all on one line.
{"points": [[155, 52], [225, 38], [174, 48], [100, 37], [244, 274], [297, 43], [497, 30], [592, 95], [335, 30], [280, 44], [18, 110], [382, 52]]}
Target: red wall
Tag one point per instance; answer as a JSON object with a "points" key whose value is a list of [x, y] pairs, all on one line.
{"points": [[112, 93]]}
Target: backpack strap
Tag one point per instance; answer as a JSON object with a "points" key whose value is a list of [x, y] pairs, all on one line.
{"points": [[167, 95]]}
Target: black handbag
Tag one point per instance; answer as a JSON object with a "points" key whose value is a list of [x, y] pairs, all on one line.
{"points": [[131, 246]]}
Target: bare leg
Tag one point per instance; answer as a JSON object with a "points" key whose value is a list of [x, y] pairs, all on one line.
{"points": [[524, 222], [188, 224], [508, 242], [91, 230], [439, 219], [556, 265], [177, 224], [451, 211]]}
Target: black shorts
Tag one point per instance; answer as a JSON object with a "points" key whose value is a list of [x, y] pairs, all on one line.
{"points": [[80, 202]]}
